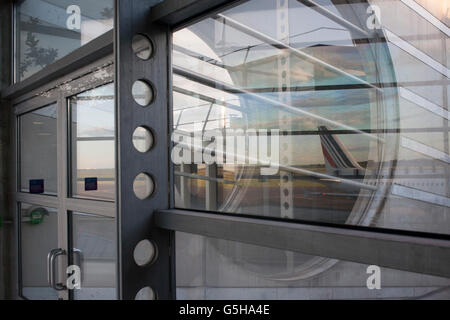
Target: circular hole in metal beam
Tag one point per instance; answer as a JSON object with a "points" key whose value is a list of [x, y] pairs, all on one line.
{"points": [[143, 186], [142, 46], [143, 93], [146, 293], [143, 139], [145, 253]]}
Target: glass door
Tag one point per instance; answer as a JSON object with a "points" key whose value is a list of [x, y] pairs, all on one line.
{"points": [[41, 232], [66, 191], [92, 229]]}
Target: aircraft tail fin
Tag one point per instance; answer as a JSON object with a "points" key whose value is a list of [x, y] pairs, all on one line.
{"points": [[336, 155]]}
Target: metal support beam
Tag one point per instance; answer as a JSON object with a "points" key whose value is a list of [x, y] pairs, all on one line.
{"points": [[397, 251], [7, 250], [135, 215], [176, 12]]}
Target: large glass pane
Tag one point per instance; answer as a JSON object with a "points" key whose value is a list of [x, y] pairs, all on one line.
{"points": [[50, 29], [38, 236], [94, 247], [38, 159], [227, 270], [283, 111], [92, 143]]}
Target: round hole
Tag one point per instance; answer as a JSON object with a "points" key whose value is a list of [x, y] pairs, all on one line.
{"points": [[144, 253], [142, 139], [143, 186], [146, 293], [142, 47], [142, 93]]}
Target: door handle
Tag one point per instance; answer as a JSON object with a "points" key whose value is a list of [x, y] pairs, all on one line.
{"points": [[51, 268]]}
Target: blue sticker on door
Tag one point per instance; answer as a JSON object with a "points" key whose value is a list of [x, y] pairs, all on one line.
{"points": [[90, 184], [37, 186]]}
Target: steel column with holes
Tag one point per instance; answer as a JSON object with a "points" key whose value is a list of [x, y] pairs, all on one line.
{"points": [[6, 229], [135, 215], [286, 178], [285, 151]]}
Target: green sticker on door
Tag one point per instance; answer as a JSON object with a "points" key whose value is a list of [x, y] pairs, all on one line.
{"points": [[37, 215]]}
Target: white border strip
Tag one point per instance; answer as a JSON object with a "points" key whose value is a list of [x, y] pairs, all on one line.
{"points": [[424, 103], [409, 48], [420, 195], [427, 15], [425, 150]]}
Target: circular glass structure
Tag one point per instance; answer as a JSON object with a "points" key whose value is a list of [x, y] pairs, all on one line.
{"points": [[313, 90]]}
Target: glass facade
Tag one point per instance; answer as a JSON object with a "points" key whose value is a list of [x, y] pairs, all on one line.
{"points": [[228, 270], [47, 30], [328, 118], [326, 113], [332, 113]]}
